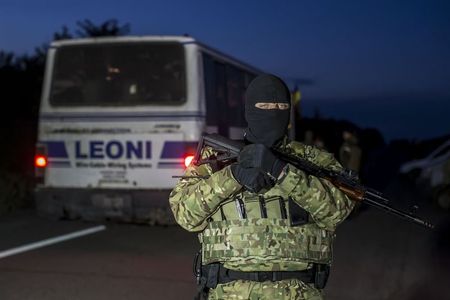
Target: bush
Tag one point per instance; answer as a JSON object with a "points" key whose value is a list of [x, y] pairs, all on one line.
{"points": [[15, 192]]}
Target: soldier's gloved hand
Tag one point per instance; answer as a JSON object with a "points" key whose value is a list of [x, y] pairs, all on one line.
{"points": [[259, 156], [252, 179]]}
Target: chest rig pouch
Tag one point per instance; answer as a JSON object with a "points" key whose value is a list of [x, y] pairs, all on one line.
{"points": [[264, 240], [297, 215]]}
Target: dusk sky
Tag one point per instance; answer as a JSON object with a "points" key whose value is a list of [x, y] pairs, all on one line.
{"points": [[383, 64]]}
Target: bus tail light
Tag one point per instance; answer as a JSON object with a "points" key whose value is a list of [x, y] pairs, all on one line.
{"points": [[187, 160], [40, 162]]}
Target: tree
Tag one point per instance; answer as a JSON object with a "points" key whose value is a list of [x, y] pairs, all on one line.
{"points": [[6, 60], [64, 34], [108, 28]]}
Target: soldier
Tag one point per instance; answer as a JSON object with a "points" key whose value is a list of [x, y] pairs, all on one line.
{"points": [[266, 227], [350, 152]]}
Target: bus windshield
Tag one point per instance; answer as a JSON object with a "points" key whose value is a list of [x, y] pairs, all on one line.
{"points": [[119, 74]]}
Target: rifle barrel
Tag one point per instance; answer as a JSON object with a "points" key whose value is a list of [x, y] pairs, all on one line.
{"points": [[398, 213], [375, 194]]}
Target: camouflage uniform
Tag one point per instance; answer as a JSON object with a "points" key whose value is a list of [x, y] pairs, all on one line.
{"points": [[259, 243]]}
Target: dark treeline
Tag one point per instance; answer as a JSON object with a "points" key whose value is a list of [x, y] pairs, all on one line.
{"points": [[21, 77]]}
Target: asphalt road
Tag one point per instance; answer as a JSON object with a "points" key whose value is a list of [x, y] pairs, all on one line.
{"points": [[376, 256]]}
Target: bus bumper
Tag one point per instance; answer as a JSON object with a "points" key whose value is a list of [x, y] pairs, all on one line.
{"points": [[131, 206]]}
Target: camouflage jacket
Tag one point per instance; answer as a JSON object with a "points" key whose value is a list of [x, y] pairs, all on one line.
{"points": [[256, 242]]}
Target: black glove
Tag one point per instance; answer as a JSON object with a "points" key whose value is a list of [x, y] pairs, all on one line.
{"points": [[252, 179], [259, 156]]}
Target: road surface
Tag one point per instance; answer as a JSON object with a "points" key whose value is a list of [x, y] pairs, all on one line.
{"points": [[376, 256]]}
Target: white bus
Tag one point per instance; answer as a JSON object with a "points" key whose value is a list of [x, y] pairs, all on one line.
{"points": [[118, 117]]}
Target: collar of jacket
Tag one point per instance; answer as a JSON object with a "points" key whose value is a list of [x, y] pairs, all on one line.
{"points": [[282, 143]]}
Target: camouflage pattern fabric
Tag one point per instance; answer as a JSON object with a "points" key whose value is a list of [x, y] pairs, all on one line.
{"points": [[241, 244], [281, 290], [193, 200], [258, 243], [327, 204]]}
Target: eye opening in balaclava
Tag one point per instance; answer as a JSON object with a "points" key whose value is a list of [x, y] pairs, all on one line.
{"points": [[267, 110]]}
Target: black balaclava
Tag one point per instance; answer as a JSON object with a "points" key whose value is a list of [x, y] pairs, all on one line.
{"points": [[267, 110]]}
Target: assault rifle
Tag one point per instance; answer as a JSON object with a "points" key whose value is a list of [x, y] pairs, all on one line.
{"points": [[346, 180]]}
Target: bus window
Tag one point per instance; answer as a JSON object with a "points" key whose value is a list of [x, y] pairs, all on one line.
{"points": [[118, 74], [216, 94], [235, 96], [220, 99], [248, 78], [210, 92], [225, 87]]}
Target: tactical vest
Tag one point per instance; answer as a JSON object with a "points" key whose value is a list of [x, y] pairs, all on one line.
{"points": [[264, 233], [258, 229], [265, 240]]}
